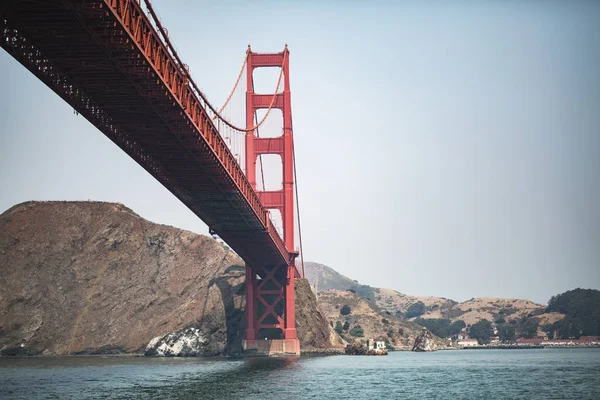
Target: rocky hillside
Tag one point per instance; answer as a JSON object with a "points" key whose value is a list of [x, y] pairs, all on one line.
{"points": [[90, 277], [489, 308], [326, 278], [469, 311], [352, 311], [398, 304]]}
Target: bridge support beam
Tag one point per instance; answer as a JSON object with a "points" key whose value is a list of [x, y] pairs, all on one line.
{"points": [[270, 311], [251, 332]]}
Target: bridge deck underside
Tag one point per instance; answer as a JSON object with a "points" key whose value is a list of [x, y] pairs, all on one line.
{"points": [[80, 52]]}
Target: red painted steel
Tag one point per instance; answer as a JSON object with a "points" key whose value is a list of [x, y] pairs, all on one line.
{"points": [[268, 145], [271, 289], [106, 59], [272, 199]]}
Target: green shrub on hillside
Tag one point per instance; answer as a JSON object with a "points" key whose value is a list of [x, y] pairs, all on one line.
{"points": [[415, 309], [345, 310], [440, 326], [357, 331], [364, 291], [507, 311], [453, 313]]}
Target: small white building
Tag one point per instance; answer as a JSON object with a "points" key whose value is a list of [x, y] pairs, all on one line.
{"points": [[463, 335], [468, 343], [373, 345]]}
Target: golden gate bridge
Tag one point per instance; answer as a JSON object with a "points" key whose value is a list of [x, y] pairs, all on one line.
{"points": [[114, 63]]}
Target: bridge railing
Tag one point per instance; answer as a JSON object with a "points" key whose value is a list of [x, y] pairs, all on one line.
{"points": [[160, 54]]}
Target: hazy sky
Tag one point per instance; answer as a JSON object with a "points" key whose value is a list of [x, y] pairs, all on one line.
{"points": [[447, 149]]}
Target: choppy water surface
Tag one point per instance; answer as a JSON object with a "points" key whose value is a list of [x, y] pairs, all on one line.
{"points": [[486, 374]]}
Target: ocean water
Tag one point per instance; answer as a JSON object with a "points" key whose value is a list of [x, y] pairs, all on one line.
{"points": [[475, 374]]}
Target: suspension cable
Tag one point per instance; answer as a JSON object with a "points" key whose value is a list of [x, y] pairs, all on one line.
{"points": [[234, 86], [185, 71], [297, 205]]}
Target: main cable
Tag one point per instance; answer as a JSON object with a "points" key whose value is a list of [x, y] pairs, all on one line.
{"points": [[235, 85], [185, 71]]}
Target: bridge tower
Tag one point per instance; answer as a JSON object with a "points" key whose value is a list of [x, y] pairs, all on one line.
{"points": [[270, 311]]}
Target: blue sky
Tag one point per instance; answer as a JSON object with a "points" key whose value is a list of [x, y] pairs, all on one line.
{"points": [[448, 149]]}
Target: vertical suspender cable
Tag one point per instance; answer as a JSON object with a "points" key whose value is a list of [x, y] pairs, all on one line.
{"points": [[262, 173], [298, 205]]}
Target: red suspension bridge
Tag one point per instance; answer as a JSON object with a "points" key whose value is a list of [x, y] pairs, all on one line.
{"points": [[113, 62]]}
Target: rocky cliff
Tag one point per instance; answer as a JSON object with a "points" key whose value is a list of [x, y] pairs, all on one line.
{"points": [[425, 341], [91, 277]]}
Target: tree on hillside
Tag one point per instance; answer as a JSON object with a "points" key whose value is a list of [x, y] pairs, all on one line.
{"points": [[562, 329], [438, 326], [338, 327], [506, 333], [570, 327], [549, 329], [456, 327], [364, 291], [441, 327], [346, 325], [481, 331], [529, 328], [357, 331], [575, 303], [582, 310], [345, 310], [415, 309]]}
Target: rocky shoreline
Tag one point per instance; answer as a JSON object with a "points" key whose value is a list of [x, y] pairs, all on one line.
{"points": [[425, 342], [321, 352]]}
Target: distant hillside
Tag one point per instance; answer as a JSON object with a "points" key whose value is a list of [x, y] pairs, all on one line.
{"points": [[326, 278], [479, 308], [363, 320], [412, 307], [398, 303]]}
